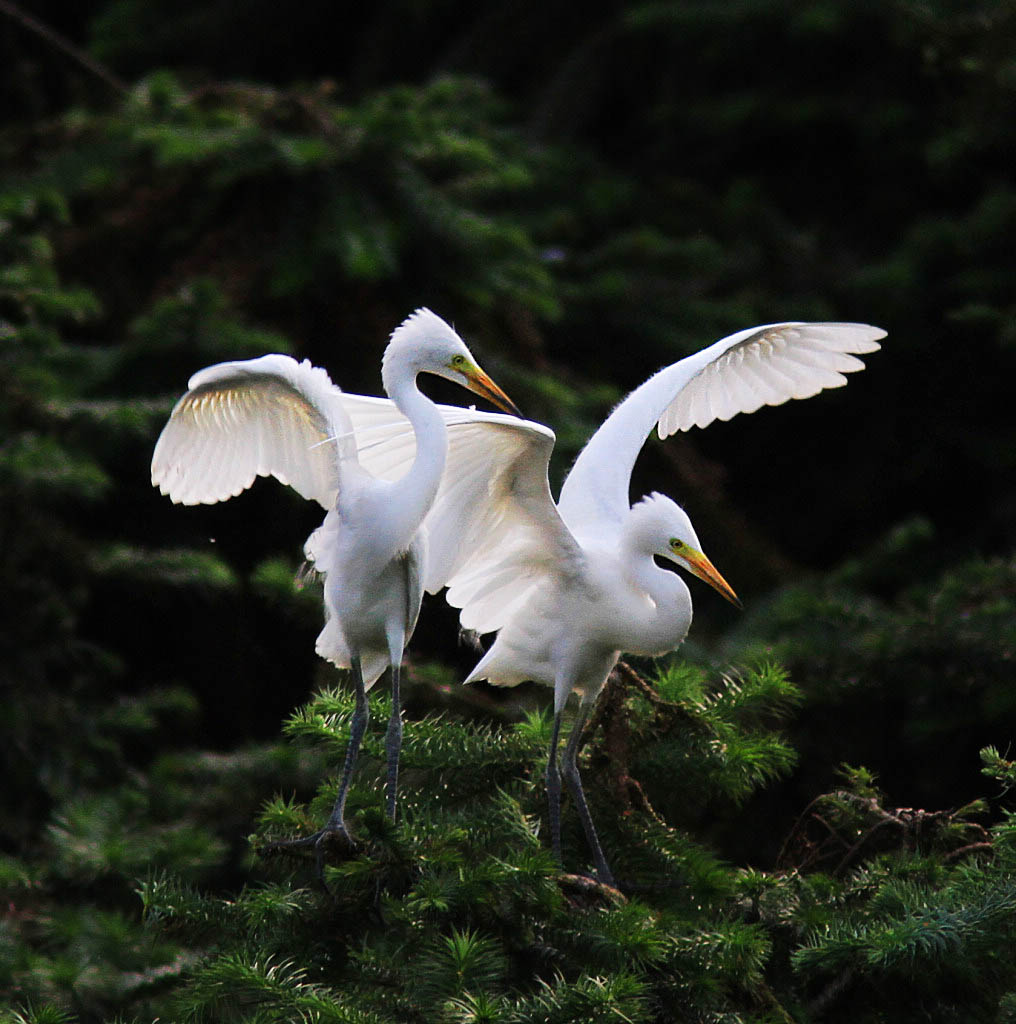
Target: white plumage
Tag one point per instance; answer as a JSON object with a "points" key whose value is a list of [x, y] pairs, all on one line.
{"points": [[571, 586], [766, 366], [270, 416], [376, 465]]}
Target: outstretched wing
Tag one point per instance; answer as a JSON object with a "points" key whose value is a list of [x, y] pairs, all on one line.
{"points": [[759, 366], [270, 416], [493, 531]]}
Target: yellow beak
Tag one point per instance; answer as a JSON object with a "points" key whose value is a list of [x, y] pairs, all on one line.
{"points": [[706, 571], [478, 381]]}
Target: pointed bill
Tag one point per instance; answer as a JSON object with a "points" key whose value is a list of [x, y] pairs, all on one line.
{"points": [[480, 383], [705, 570]]}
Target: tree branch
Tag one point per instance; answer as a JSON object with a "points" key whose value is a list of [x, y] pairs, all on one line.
{"points": [[63, 44]]}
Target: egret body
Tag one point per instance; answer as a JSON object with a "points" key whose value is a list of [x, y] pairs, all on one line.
{"points": [[275, 416], [572, 585]]}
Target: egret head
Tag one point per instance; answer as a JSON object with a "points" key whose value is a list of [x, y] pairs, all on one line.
{"points": [[673, 537], [424, 343]]}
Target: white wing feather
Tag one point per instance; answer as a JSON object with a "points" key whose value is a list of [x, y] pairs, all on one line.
{"points": [[493, 531], [769, 366], [270, 416], [759, 366]]}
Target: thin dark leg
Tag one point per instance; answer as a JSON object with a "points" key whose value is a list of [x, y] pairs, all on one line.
{"points": [[554, 789], [361, 715], [572, 777], [336, 824], [393, 741]]}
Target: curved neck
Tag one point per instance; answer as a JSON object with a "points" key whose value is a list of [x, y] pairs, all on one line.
{"points": [[414, 493], [666, 626], [645, 574]]}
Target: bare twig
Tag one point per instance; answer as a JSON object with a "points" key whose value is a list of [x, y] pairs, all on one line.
{"points": [[962, 851], [632, 677], [637, 798], [629, 675], [909, 820], [775, 1004], [62, 43], [830, 992]]}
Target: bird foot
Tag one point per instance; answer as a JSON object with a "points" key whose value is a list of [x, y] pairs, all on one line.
{"points": [[330, 838], [325, 838]]}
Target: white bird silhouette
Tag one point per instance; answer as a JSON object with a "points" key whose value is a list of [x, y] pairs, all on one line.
{"points": [[273, 416], [571, 586]]}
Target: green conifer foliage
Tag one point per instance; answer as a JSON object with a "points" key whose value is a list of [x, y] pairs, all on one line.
{"points": [[588, 198], [95, 791], [459, 912]]}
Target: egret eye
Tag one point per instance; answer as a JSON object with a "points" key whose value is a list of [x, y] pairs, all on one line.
{"points": [[458, 361], [677, 545]]}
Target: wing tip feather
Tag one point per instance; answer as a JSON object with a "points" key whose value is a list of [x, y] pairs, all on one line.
{"points": [[689, 409]]}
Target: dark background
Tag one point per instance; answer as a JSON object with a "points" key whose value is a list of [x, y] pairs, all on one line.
{"points": [[588, 194]]}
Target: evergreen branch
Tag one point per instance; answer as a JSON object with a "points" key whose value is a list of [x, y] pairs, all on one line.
{"points": [[620, 936], [925, 932], [463, 961], [641, 686], [997, 767], [32, 1015], [278, 988], [620, 998]]}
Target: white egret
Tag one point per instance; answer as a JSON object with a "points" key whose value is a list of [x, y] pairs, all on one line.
{"points": [[572, 586], [273, 416]]}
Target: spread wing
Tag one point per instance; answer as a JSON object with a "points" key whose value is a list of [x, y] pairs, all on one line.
{"points": [[492, 528], [270, 416], [759, 366], [493, 532]]}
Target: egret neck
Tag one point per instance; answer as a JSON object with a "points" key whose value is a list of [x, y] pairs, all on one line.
{"points": [[413, 494], [665, 626]]}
